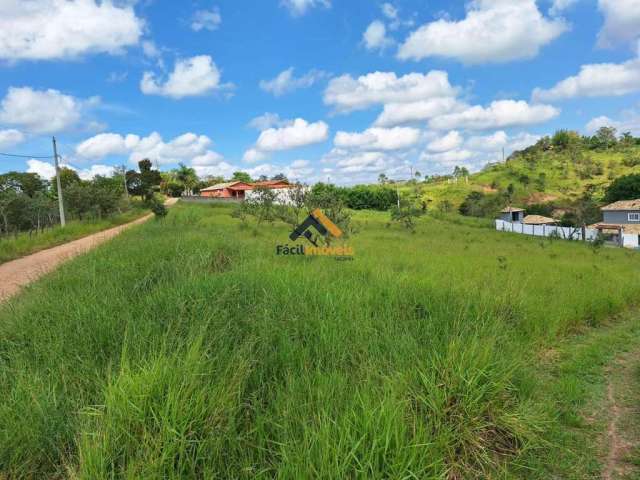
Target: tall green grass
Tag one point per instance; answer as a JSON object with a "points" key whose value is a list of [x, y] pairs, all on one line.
{"points": [[186, 348], [16, 246]]}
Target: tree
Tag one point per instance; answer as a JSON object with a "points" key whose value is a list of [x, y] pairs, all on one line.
{"points": [[627, 139], [241, 177], [623, 188], [459, 172], [187, 177], [280, 177], [27, 183], [149, 178], [418, 175], [382, 179], [606, 137], [406, 215], [68, 178], [561, 139]]}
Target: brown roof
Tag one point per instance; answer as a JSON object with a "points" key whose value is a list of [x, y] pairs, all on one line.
{"points": [[623, 205], [273, 183], [611, 228], [237, 185], [615, 228], [538, 220], [511, 209]]}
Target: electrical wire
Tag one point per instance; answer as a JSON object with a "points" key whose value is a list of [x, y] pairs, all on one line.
{"points": [[25, 156]]}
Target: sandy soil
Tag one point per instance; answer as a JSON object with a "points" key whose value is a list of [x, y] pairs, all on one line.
{"points": [[17, 273]]}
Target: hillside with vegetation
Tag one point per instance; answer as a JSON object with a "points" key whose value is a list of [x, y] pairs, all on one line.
{"points": [[556, 176]]}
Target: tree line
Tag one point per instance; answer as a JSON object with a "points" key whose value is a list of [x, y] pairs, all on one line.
{"points": [[29, 203]]}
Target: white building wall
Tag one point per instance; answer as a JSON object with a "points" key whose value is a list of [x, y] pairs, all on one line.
{"points": [[283, 195], [567, 233], [630, 240]]}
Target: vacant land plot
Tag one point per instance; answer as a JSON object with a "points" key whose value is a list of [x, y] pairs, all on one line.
{"points": [[187, 348]]}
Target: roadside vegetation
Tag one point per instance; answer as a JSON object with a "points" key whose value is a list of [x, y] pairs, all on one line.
{"points": [[186, 348], [22, 244], [29, 212]]}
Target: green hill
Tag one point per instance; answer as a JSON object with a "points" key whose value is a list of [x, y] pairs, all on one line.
{"points": [[555, 173]]}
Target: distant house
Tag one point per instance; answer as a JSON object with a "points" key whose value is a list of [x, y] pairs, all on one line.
{"points": [[282, 189], [512, 214], [621, 222], [539, 220], [273, 184], [227, 190], [244, 190]]}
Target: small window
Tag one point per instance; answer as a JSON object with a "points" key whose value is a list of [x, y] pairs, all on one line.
{"points": [[634, 217]]}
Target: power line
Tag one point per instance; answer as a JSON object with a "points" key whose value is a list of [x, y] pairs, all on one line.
{"points": [[25, 156]]}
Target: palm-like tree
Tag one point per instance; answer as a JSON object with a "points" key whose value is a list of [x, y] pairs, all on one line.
{"points": [[188, 177]]}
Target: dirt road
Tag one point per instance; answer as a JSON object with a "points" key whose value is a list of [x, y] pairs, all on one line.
{"points": [[17, 273]]}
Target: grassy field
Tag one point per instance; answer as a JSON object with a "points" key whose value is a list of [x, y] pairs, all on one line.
{"points": [[24, 244], [186, 348]]}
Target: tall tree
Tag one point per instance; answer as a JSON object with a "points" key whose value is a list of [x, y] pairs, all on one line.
{"points": [[241, 177]]}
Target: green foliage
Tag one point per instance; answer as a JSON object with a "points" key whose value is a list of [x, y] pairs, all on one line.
{"points": [[624, 188], [478, 204], [158, 208], [407, 215], [241, 177], [360, 197], [22, 244], [145, 182]]}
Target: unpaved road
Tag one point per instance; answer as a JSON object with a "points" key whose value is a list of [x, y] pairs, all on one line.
{"points": [[17, 273], [623, 432]]}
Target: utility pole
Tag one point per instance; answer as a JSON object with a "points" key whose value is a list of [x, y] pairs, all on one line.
{"points": [[63, 222], [124, 179]]}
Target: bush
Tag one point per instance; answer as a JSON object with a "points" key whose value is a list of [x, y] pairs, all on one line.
{"points": [[158, 208], [478, 204], [623, 188], [360, 197]]}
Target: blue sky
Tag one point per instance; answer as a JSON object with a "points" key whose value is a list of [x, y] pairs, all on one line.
{"points": [[316, 89]]}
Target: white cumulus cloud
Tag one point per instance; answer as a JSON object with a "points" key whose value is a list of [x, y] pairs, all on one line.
{"points": [[193, 76], [286, 81], [492, 31], [47, 170], [60, 29], [206, 20], [42, 111], [399, 113], [499, 114], [397, 138], [267, 120], [183, 148], [596, 80], [347, 94], [375, 36], [450, 141], [10, 137], [299, 134], [621, 22]]}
